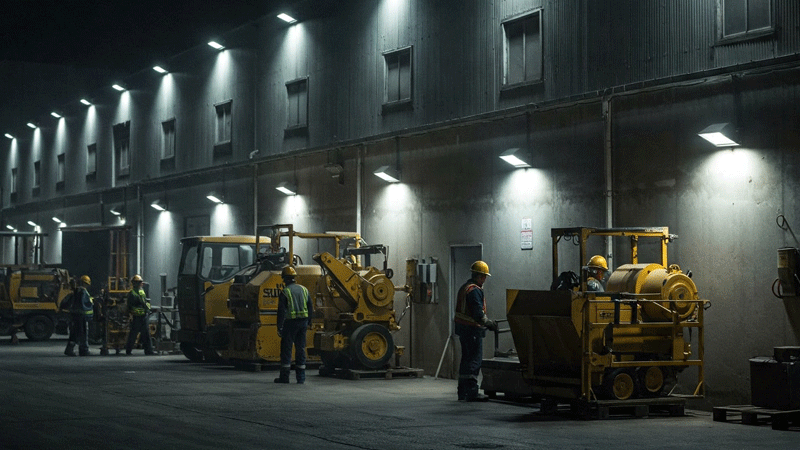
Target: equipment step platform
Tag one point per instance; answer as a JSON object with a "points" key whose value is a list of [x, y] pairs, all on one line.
{"points": [[754, 415], [641, 407], [352, 374]]}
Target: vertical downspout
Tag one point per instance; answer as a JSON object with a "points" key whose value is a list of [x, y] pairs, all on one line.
{"points": [[608, 174], [359, 180], [255, 139], [139, 237]]}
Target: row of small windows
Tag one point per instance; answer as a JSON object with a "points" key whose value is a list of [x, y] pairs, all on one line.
{"points": [[522, 65]]}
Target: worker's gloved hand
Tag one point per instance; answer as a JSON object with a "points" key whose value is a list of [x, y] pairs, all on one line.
{"points": [[490, 324]]}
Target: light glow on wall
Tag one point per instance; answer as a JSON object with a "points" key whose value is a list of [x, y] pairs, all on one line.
{"points": [[294, 207], [524, 185], [221, 220]]}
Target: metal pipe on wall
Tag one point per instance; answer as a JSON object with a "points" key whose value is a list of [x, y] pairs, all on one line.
{"points": [[608, 175]]}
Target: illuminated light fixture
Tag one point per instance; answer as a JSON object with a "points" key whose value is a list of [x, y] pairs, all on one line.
{"points": [[286, 18], [56, 219], [387, 173], [86, 102], [9, 136], [214, 197], [160, 69], [512, 156], [719, 134], [216, 45], [10, 227], [56, 115], [32, 125], [117, 211], [59, 222], [287, 188], [30, 222], [159, 205], [119, 87]]}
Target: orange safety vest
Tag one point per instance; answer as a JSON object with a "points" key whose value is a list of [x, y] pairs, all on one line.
{"points": [[462, 315]]}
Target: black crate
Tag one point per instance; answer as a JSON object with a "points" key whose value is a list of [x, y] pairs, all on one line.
{"points": [[775, 384]]}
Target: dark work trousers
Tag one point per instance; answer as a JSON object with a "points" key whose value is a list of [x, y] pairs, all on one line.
{"points": [[471, 339], [78, 332], [139, 326], [294, 333]]}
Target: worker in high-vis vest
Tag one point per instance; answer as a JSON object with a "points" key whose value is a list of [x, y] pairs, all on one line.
{"points": [[81, 309], [294, 317], [139, 308], [470, 326]]}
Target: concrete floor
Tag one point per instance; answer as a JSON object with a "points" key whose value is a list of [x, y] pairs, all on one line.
{"points": [[48, 400]]}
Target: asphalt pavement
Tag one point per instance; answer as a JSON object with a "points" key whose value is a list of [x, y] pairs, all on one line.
{"points": [[51, 401]]}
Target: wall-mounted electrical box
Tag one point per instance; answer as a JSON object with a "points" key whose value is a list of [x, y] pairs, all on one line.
{"points": [[789, 271], [426, 274]]}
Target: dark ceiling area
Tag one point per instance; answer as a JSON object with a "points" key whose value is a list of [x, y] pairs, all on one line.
{"points": [[125, 36]]}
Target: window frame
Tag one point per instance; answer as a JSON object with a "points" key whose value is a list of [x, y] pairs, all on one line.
{"points": [[14, 188], [37, 178], [61, 171], [404, 103], [91, 158], [747, 35], [534, 14], [300, 126], [223, 147], [122, 148], [168, 139]]}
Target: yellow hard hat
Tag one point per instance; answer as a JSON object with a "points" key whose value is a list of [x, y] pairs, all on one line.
{"points": [[480, 267], [288, 271], [598, 262], [137, 279], [86, 280]]}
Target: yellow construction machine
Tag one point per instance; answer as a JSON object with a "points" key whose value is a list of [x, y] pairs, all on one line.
{"points": [[629, 341], [31, 292], [207, 268], [353, 303]]}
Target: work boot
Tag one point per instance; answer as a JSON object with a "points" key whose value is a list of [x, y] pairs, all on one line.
{"points": [[70, 350], [301, 376], [283, 377], [85, 353], [477, 398]]}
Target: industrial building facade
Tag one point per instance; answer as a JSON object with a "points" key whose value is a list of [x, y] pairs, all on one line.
{"points": [[603, 101]]}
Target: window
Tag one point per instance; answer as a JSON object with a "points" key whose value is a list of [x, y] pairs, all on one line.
{"points": [[91, 162], [297, 109], [168, 144], [37, 176], [398, 76], [745, 19], [522, 49], [60, 172], [14, 181], [122, 142], [223, 128]]}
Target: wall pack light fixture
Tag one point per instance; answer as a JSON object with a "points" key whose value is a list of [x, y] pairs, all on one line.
{"points": [[159, 205], [514, 156], [720, 134], [388, 174], [287, 188]]}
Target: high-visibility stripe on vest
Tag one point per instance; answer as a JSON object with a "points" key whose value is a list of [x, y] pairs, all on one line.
{"points": [[87, 302], [462, 315], [297, 296], [139, 309]]}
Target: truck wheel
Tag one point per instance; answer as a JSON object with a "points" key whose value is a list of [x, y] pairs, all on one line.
{"points": [[192, 352], [371, 345], [39, 328]]}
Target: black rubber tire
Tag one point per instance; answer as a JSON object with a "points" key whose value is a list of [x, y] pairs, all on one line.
{"points": [[192, 352], [371, 346], [39, 328]]}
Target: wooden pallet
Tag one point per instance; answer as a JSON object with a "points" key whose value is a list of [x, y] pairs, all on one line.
{"points": [[754, 415], [394, 372], [642, 407]]}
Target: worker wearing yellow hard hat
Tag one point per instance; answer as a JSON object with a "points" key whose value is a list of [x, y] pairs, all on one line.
{"points": [[471, 323], [596, 273], [139, 307]]}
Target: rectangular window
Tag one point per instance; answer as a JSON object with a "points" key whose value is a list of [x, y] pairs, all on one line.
{"points": [[297, 109], [14, 180], [60, 172], [398, 79], [91, 161], [37, 173], [224, 131], [522, 49], [745, 19], [122, 142], [168, 139]]}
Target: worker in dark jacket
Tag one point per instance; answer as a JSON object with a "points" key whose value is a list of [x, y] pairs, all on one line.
{"points": [[81, 310], [139, 308], [470, 326], [294, 317]]}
